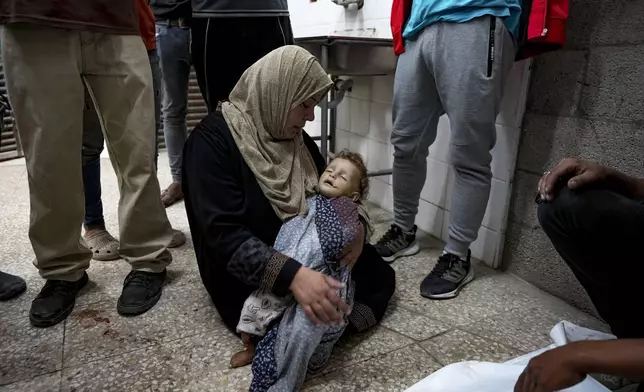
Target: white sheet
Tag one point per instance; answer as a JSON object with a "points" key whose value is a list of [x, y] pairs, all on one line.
{"points": [[473, 376]]}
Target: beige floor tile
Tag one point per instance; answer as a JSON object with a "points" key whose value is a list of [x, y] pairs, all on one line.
{"points": [[97, 331], [196, 363], [457, 345], [360, 347], [392, 372], [412, 324], [26, 351], [46, 383]]}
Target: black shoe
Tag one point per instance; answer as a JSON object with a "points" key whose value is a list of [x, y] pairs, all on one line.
{"points": [[141, 291], [448, 277], [11, 286], [396, 243], [55, 302]]}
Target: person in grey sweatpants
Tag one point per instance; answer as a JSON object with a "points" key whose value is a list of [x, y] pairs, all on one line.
{"points": [[458, 69]]}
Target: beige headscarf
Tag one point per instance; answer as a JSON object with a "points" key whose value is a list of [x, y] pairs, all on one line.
{"points": [[256, 114]]}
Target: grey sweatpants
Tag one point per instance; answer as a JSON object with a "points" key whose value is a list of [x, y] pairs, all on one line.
{"points": [[459, 69]]}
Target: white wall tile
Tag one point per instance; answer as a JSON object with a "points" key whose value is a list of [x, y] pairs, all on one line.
{"points": [[496, 206], [361, 88], [504, 153], [313, 128], [324, 18], [382, 89], [430, 218], [343, 139], [378, 155], [359, 144], [343, 114], [440, 149], [484, 248], [359, 117], [436, 183], [380, 122], [381, 194]]}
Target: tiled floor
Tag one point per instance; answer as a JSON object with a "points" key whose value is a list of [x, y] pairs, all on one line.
{"points": [[182, 345]]}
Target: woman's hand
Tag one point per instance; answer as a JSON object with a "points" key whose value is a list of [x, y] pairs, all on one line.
{"points": [[318, 295], [551, 371], [582, 172]]}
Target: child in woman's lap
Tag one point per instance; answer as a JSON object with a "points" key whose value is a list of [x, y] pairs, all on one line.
{"points": [[318, 241]]}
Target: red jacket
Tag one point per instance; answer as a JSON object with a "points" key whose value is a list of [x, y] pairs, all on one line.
{"points": [[542, 28], [400, 10]]}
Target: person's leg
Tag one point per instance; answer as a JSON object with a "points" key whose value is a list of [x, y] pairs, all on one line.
{"points": [[11, 286], [473, 60], [153, 58], [255, 37], [46, 94], [120, 81], [103, 245], [173, 45], [416, 110], [598, 233]]}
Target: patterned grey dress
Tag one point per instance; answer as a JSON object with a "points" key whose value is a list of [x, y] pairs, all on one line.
{"points": [[295, 344]]}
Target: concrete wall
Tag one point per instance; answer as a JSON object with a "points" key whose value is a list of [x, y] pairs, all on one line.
{"points": [[585, 101]]}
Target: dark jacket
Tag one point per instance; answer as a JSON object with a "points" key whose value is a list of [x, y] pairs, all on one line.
{"points": [[171, 9], [103, 16], [239, 8]]}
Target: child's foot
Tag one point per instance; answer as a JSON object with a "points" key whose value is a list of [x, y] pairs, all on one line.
{"points": [[242, 358], [245, 357]]}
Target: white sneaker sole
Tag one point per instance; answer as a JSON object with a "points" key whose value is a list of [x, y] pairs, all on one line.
{"points": [[408, 251]]}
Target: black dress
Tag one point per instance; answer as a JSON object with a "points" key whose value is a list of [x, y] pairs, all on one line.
{"points": [[233, 226]]}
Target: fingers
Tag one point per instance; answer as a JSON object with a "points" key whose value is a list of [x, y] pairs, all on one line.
{"points": [[564, 167], [333, 283], [582, 179], [332, 311], [337, 302], [321, 313], [309, 312]]}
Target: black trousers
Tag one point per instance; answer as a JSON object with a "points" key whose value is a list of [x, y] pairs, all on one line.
{"points": [[223, 48], [600, 234]]}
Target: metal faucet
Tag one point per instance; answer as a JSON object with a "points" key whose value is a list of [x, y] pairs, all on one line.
{"points": [[345, 3]]}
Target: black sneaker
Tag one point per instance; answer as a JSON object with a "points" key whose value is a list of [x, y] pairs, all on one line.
{"points": [[448, 277], [141, 291], [55, 302], [396, 243], [11, 286]]}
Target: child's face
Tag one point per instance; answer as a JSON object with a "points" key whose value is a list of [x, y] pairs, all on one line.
{"points": [[341, 178]]}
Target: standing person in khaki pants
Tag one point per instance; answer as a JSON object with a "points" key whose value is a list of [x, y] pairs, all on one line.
{"points": [[51, 51]]}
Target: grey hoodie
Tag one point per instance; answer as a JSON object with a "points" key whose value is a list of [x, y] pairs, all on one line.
{"points": [[238, 8]]}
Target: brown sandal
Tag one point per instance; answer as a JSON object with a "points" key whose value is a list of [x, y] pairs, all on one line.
{"points": [[104, 247]]}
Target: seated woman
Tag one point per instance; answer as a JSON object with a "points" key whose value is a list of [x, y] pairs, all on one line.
{"points": [[251, 167]]}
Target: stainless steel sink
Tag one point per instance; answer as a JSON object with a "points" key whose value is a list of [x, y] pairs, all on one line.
{"points": [[352, 56]]}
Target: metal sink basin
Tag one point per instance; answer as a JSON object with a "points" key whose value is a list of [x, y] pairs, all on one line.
{"points": [[352, 56]]}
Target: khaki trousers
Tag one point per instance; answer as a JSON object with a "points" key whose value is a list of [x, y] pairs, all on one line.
{"points": [[46, 71]]}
